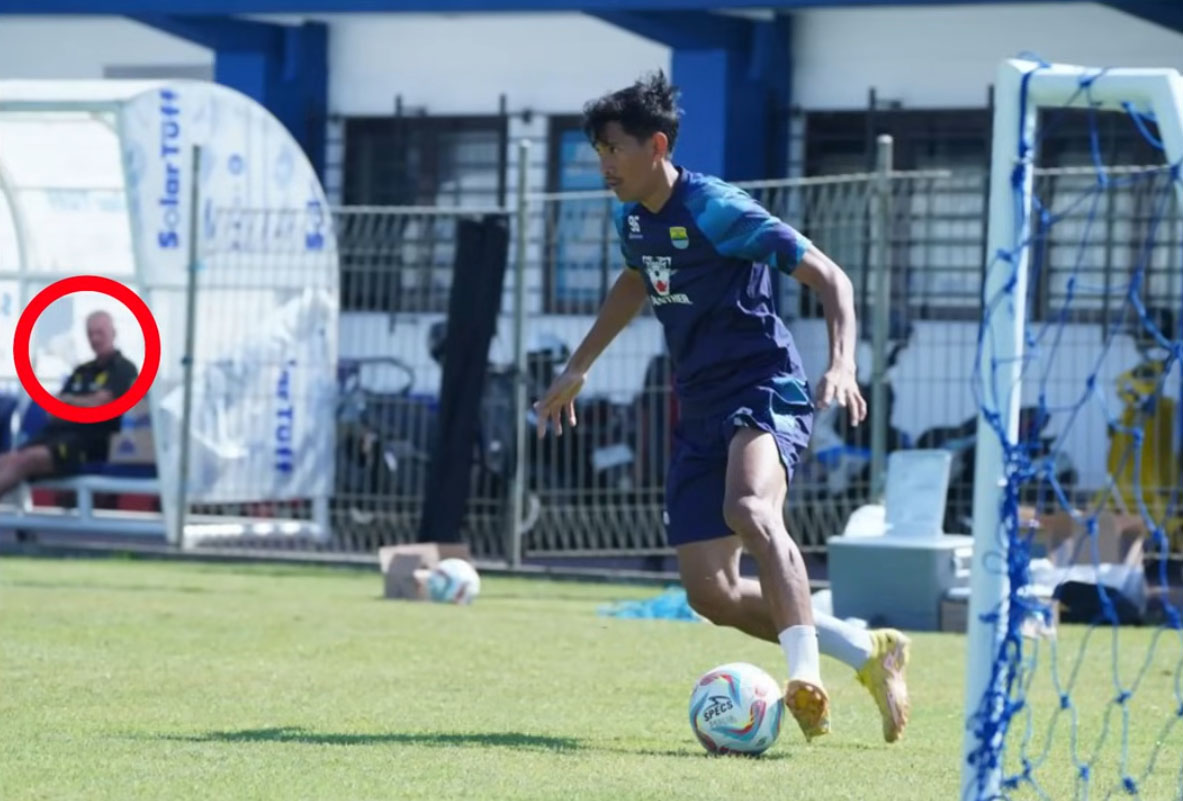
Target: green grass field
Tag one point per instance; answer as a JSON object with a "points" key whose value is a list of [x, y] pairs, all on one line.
{"points": [[129, 680]]}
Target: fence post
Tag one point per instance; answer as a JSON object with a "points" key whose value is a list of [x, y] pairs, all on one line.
{"points": [[881, 264], [187, 359], [517, 487]]}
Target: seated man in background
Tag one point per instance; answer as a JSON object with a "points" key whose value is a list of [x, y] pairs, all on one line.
{"points": [[62, 447]]}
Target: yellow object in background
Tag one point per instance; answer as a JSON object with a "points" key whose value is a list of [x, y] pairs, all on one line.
{"points": [[1158, 473]]}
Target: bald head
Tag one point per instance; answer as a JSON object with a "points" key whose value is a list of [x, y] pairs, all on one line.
{"points": [[100, 331]]}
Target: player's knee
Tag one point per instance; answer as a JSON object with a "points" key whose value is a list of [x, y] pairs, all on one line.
{"points": [[714, 600], [752, 518]]}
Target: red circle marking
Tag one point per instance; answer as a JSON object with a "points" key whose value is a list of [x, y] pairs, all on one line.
{"points": [[24, 332]]}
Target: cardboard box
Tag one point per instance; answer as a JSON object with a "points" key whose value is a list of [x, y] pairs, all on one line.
{"points": [[954, 614], [133, 443], [138, 416], [405, 567], [134, 446], [1064, 541], [954, 611]]}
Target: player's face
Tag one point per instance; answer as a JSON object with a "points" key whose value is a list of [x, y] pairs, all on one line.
{"points": [[630, 167]]}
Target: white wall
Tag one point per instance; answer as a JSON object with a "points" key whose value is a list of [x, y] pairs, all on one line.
{"points": [[552, 63], [947, 56], [449, 63], [80, 47], [454, 64]]}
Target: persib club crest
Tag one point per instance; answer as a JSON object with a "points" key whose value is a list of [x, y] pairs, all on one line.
{"points": [[679, 238]]}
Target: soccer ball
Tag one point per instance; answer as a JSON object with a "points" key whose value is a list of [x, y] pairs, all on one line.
{"points": [[453, 581], [736, 709]]}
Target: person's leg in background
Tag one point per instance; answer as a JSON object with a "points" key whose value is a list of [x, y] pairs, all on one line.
{"points": [[16, 467]]}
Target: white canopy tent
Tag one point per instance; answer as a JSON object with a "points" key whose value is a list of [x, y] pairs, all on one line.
{"points": [[98, 177]]}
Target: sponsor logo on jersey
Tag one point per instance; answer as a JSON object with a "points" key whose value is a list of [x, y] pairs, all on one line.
{"points": [[661, 274]]}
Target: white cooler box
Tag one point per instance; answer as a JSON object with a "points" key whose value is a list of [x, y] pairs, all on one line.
{"points": [[896, 582], [895, 571]]}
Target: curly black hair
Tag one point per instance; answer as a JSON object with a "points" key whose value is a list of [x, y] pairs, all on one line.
{"points": [[647, 107]]}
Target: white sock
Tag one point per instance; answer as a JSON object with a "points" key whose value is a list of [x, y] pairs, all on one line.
{"points": [[842, 641], [800, 646]]}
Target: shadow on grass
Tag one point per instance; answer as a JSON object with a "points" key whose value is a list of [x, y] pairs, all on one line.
{"points": [[296, 734], [512, 740], [694, 752], [93, 587]]}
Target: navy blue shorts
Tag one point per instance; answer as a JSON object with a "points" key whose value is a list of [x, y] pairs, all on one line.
{"points": [[697, 478]]}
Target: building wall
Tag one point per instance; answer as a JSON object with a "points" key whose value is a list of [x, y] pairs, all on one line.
{"points": [[461, 64], [449, 64], [946, 56], [84, 47]]}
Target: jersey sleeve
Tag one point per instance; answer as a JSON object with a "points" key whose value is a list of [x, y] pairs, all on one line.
{"points": [[740, 228], [619, 214]]}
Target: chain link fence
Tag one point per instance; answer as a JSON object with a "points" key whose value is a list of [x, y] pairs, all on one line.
{"points": [[599, 489], [396, 276]]}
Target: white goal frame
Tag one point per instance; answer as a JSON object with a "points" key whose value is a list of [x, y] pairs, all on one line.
{"points": [[1021, 89]]}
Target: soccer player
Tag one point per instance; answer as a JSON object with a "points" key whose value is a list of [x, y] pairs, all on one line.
{"points": [[700, 251]]}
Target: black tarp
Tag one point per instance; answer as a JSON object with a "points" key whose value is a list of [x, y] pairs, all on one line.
{"points": [[478, 276]]}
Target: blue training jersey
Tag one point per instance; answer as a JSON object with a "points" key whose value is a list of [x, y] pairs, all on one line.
{"points": [[706, 258]]}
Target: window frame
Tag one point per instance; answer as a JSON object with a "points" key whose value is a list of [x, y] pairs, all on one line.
{"points": [[366, 181]]}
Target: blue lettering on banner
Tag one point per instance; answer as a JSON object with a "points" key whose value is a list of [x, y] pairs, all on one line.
{"points": [[169, 237], [314, 237], [285, 456]]}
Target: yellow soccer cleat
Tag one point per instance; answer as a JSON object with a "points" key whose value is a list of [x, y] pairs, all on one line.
{"points": [[883, 676], [810, 705]]}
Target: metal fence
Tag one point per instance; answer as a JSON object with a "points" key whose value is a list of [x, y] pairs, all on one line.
{"points": [[239, 415], [914, 246], [598, 489], [396, 273], [395, 277], [601, 490]]}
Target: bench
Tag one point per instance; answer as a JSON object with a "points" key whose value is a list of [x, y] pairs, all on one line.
{"points": [[127, 479], [25, 420]]}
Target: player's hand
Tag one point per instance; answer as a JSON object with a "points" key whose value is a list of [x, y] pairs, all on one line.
{"points": [[839, 385], [559, 399]]}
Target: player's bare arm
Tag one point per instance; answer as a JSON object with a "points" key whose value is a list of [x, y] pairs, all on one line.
{"points": [[839, 384], [624, 300]]}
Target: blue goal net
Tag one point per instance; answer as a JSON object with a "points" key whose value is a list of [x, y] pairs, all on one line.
{"points": [[1085, 671]]}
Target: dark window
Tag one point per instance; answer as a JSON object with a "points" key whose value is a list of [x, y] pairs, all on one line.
{"points": [[937, 229], [939, 225], [404, 263], [1100, 235], [425, 161]]}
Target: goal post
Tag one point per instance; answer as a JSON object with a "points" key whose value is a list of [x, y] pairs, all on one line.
{"points": [[1022, 89]]}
